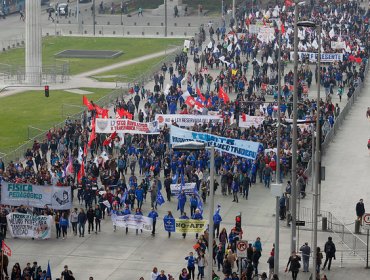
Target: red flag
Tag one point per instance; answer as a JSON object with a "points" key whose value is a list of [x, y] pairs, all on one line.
{"points": [[282, 29], [244, 117], [123, 113], [87, 103], [358, 59], [81, 172], [109, 139], [92, 134], [190, 101], [209, 103], [105, 114], [85, 150], [288, 3], [223, 95], [99, 110], [200, 95], [6, 249]]}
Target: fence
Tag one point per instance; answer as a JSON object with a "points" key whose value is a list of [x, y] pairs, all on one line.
{"points": [[16, 74]]}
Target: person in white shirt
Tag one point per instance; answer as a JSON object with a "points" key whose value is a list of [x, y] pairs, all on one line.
{"points": [[154, 274]]}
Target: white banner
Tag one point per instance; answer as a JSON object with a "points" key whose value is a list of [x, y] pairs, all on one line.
{"points": [[249, 121], [338, 45], [186, 120], [29, 226], [54, 197], [242, 148], [133, 221], [325, 57], [254, 28], [188, 188], [125, 126]]}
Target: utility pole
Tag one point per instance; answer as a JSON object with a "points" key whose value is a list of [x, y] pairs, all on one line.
{"points": [[294, 136], [317, 157], [165, 18]]}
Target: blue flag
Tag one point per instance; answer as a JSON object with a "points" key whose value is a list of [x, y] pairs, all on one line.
{"points": [[200, 203], [124, 197], [175, 178], [48, 272], [160, 199]]}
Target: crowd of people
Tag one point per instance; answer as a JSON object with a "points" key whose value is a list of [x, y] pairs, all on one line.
{"points": [[125, 174]]}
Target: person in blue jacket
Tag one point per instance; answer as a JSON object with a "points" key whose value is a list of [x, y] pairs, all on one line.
{"points": [[154, 215], [138, 215], [197, 216], [193, 204], [126, 211], [191, 265], [184, 217], [217, 221], [139, 194], [181, 202], [169, 216]]}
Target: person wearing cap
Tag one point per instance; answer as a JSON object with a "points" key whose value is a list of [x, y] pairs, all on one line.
{"points": [[306, 251]]}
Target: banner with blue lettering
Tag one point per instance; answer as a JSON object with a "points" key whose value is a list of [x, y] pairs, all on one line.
{"points": [[241, 148], [325, 57], [54, 197]]}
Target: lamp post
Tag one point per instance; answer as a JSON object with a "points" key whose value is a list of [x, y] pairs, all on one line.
{"points": [[197, 146], [93, 14], [294, 137], [317, 157], [277, 216], [165, 18]]}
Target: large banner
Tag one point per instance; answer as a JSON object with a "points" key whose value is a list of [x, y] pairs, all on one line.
{"points": [[29, 226], [325, 57], [188, 188], [249, 121], [54, 197], [133, 221], [186, 120], [125, 126], [185, 226], [242, 148]]}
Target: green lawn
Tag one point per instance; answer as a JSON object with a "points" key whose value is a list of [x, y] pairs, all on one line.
{"points": [[131, 72], [131, 48], [32, 108]]}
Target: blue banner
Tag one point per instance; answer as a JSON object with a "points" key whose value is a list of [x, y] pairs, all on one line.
{"points": [[241, 148], [169, 224]]}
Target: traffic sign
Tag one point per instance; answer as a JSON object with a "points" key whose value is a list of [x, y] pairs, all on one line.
{"points": [[241, 249], [366, 221]]}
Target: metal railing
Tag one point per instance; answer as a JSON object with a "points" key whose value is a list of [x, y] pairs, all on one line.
{"points": [[16, 74], [338, 121]]}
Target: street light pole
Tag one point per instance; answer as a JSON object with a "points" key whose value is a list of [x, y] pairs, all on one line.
{"points": [[211, 211], [93, 17], [165, 18], [234, 9], [277, 216], [317, 157], [294, 136]]}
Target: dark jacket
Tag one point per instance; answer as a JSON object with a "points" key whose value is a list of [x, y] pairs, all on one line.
{"points": [[82, 218], [330, 249], [360, 209], [294, 263]]}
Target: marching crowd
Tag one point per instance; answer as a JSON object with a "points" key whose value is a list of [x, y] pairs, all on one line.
{"points": [[121, 178]]}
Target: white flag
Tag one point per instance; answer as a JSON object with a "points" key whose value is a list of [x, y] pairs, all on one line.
{"points": [[80, 154], [269, 60]]}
